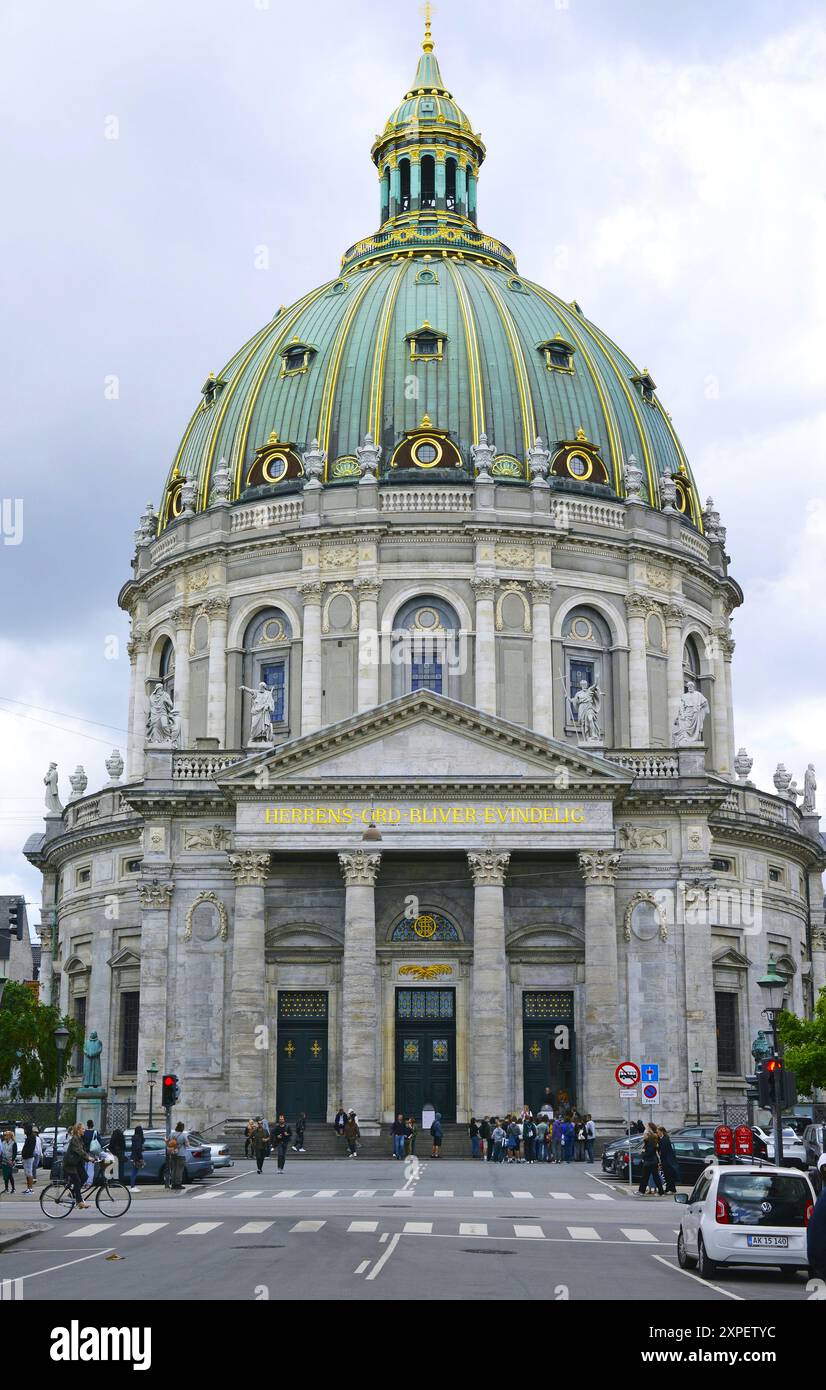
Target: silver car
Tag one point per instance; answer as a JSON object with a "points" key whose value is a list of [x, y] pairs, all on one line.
{"points": [[218, 1152]]}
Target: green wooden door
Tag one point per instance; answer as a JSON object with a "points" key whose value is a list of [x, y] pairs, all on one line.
{"points": [[426, 1052], [301, 1075], [549, 1046]]}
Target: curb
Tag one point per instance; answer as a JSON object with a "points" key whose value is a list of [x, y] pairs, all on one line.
{"points": [[14, 1236]]}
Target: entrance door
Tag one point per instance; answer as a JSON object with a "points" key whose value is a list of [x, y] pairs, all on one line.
{"points": [[301, 1078], [426, 1052], [549, 1052]]}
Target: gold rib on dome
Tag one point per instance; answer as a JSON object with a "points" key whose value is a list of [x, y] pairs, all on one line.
{"points": [[329, 393], [477, 394], [380, 352]]}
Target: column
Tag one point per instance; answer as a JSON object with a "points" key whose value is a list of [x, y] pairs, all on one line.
{"points": [[395, 187], [693, 915], [728, 653], [138, 650], [485, 645], [369, 642], [311, 659], [818, 960], [541, 672], [248, 1037], [182, 618], [415, 182], [674, 619], [719, 711], [217, 609], [471, 195], [441, 178], [385, 197], [489, 1000], [461, 186], [602, 1024], [359, 988], [155, 900], [636, 607], [48, 935]]}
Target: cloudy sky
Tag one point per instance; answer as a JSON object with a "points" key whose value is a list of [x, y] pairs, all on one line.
{"points": [[662, 164]]}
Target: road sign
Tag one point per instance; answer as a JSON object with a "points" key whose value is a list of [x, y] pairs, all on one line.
{"points": [[651, 1093], [630, 1097], [650, 1071], [627, 1074]]}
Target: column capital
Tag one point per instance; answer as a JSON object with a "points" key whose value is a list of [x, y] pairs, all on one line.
{"points": [[484, 588], [637, 605], [819, 938], [541, 590], [599, 866], [311, 593], [675, 615], [182, 618], [368, 586], [155, 896], [250, 867], [360, 867], [488, 866], [217, 607]]}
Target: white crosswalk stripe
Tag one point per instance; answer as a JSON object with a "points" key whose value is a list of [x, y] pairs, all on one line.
{"points": [[254, 1228], [562, 1196], [240, 1196], [146, 1228], [364, 1226], [200, 1228], [473, 1228], [600, 1196], [529, 1232], [442, 1193], [418, 1228], [288, 1192], [633, 1233], [89, 1228], [327, 1192], [365, 1192], [522, 1195], [483, 1194], [583, 1233], [307, 1226]]}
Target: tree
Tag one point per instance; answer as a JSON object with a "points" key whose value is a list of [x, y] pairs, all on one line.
{"points": [[804, 1046], [27, 1042]]}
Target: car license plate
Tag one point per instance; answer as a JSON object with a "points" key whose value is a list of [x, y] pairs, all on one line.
{"points": [[777, 1242]]}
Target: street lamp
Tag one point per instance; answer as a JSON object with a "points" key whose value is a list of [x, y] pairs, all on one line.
{"points": [[152, 1073], [61, 1037], [774, 988], [697, 1073]]}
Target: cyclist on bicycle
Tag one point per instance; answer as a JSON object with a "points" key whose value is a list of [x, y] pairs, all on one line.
{"points": [[74, 1164]]}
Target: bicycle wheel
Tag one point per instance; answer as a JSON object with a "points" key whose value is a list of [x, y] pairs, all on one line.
{"points": [[56, 1201], [113, 1199]]}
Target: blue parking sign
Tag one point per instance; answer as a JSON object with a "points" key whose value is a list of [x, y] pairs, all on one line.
{"points": [[650, 1071]]}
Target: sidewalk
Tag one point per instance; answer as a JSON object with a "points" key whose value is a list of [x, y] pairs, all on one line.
{"points": [[12, 1231]]}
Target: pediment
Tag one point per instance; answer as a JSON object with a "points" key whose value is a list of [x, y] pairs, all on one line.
{"points": [[124, 959], [423, 737], [731, 958], [76, 965]]}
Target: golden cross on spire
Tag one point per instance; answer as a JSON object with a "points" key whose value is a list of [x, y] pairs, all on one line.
{"points": [[428, 37]]}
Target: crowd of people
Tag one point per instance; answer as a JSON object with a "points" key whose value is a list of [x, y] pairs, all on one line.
{"points": [[550, 1136]]}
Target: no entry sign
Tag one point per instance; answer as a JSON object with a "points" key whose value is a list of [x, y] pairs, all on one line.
{"points": [[627, 1074]]}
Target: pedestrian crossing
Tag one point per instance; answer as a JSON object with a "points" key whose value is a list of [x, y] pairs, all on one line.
{"points": [[327, 1193], [504, 1230]]}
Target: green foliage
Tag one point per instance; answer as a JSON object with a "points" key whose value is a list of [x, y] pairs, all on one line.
{"points": [[27, 1041], [804, 1046]]}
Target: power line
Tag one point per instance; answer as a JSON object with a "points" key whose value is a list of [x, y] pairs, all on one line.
{"points": [[62, 714], [76, 733]]}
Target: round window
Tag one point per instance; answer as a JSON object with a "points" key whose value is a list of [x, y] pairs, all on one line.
{"points": [[579, 466], [427, 453], [274, 468]]}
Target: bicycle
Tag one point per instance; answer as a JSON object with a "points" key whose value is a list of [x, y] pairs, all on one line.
{"points": [[112, 1197]]}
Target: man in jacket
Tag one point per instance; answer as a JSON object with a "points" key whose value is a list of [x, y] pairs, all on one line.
{"points": [[816, 1230], [74, 1164], [484, 1139], [300, 1126], [352, 1134], [281, 1135], [436, 1136], [399, 1131], [27, 1155], [590, 1136], [258, 1140]]}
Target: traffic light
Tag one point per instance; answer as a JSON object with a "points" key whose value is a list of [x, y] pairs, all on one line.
{"points": [[16, 917], [170, 1090], [768, 1082]]}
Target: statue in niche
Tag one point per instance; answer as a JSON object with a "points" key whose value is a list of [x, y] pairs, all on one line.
{"points": [[691, 715], [162, 720], [585, 711], [262, 709]]}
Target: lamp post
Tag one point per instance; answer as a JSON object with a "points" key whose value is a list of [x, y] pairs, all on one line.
{"points": [[152, 1073], [61, 1037], [774, 988], [697, 1073]]}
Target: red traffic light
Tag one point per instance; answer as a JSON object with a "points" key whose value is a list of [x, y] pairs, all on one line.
{"points": [[774, 1064], [170, 1090], [169, 1081]]}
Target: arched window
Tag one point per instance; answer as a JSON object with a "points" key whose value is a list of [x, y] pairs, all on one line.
{"points": [[450, 184], [267, 645], [166, 669], [404, 185], [428, 181], [587, 664], [691, 662], [425, 647]]}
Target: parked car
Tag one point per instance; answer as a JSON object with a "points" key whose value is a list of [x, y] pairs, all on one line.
{"points": [[692, 1157], [198, 1163], [745, 1215], [609, 1154], [796, 1122], [219, 1153], [814, 1143], [794, 1152], [47, 1141], [695, 1132]]}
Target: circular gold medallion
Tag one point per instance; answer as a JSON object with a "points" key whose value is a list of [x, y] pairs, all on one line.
{"points": [[425, 926]]}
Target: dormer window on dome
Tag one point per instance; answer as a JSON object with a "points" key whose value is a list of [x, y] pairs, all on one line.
{"points": [[427, 344], [296, 357], [212, 388], [646, 385], [578, 460], [426, 447], [559, 354], [275, 462]]}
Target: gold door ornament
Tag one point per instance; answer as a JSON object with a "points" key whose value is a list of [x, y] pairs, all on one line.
{"points": [[426, 972]]}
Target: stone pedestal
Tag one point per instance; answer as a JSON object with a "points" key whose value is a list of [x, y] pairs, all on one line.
{"points": [[248, 1036], [360, 1070], [90, 1104], [602, 1025], [489, 1051]]}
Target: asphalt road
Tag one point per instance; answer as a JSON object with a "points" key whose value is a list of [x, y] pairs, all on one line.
{"points": [[374, 1229]]}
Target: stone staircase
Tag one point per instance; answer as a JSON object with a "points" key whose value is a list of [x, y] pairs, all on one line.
{"points": [[321, 1141]]}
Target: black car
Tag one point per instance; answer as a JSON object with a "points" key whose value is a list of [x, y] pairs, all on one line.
{"points": [[692, 1155], [814, 1142]]}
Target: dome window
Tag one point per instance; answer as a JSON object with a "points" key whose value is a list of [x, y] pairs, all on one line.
{"points": [[559, 354], [427, 276], [427, 344], [296, 358], [646, 385], [275, 462], [518, 286], [212, 388], [578, 460], [426, 447]]}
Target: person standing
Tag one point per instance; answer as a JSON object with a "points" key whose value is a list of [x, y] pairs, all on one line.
{"points": [[541, 1138], [27, 1155], [498, 1139], [436, 1137], [579, 1139], [117, 1148], [91, 1143], [484, 1139], [179, 1156], [668, 1159], [281, 1135], [136, 1154], [340, 1121], [816, 1229], [529, 1138], [8, 1157], [248, 1133], [556, 1140], [590, 1136], [352, 1134], [568, 1140], [258, 1144], [473, 1135], [38, 1152], [650, 1162], [399, 1130], [300, 1126]]}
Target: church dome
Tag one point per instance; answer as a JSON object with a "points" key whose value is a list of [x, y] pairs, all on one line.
{"points": [[431, 342]]}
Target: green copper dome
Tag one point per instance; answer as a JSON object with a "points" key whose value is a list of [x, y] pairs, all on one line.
{"points": [[429, 337]]}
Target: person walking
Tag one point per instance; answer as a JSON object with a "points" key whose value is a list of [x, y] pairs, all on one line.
{"points": [[281, 1135], [91, 1143], [248, 1133], [650, 1162], [8, 1158], [590, 1136], [27, 1155], [136, 1154], [473, 1135], [75, 1161], [668, 1159], [436, 1137], [529, 1138], [816, 1229], [117, 1148], [38, 1152], [258, 1144], [484, 1139], [398, 1132], [352, 1134], [300, 1126], [410, 1132]]}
